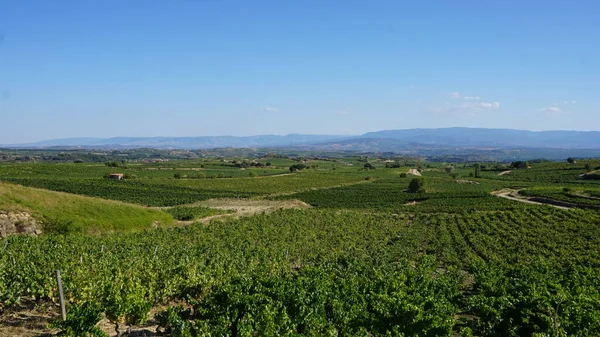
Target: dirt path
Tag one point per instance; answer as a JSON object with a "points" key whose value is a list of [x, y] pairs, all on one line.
{"points": [[512, 194], [317, 188], [244, 207]]}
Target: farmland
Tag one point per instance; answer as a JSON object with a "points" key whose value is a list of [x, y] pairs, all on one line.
{"points": [[367, 258]]}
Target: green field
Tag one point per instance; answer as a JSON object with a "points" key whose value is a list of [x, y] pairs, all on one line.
{"points": [[62, 212], [368, 259]]}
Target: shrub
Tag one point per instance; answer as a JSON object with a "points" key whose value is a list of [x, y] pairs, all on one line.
{"points": [[81, 322], [416, 185]]}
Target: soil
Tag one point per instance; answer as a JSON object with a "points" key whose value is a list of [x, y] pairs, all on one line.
{"points": [[414, 172], [466, 182], [244, 207], [31, 320], [513, 194]]}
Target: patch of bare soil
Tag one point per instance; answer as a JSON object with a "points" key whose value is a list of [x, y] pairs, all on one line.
{"points": [[320, 188], [276, 175], [504, 173], [466, 182], [31, 320], [411, 203], [247, 207], [28, 321], [513, 194], [414, 172]]}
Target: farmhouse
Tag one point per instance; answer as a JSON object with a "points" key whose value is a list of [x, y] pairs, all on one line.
{"points": [[116, 176]]}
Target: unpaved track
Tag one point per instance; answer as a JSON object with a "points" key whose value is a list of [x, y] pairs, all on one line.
{"points": [[512, 194], [318, 188], [246, 207]]}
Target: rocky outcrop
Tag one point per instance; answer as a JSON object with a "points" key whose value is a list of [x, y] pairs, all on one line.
{"points": [[18, 223]]}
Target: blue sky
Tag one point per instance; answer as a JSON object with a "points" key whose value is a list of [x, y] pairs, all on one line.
{"points": [[222, 67]]}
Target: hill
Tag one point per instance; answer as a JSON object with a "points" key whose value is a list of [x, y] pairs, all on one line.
{"points": [[185, 142], [479, 137], [63, 212], [409, 141]]}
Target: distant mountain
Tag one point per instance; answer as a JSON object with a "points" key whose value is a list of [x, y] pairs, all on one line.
{"points": [[472, 137], [399, 141], [185, 142]]}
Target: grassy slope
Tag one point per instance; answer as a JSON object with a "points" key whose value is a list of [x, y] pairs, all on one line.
{"points": [[63, 212]]}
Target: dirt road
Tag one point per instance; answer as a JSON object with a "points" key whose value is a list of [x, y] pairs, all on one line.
{"points": [[512, 194]]}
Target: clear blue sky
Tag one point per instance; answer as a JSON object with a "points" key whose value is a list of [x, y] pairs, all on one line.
{"points": [[222, 67]]}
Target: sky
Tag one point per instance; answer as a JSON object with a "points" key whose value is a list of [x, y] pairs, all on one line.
{"points": [[222, 67]]}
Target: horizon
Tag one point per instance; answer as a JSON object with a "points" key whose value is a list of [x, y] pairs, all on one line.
{"points": [[215, 68], [289, 134]]}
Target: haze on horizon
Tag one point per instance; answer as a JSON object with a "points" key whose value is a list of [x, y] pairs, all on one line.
{"points": [[208, 68]]}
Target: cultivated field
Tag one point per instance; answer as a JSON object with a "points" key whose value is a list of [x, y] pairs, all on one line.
{"points": [[334, 248]]}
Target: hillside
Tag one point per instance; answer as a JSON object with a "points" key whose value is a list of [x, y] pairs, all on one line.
{"points": [[479, 137], [63, 212], [385, 140]]}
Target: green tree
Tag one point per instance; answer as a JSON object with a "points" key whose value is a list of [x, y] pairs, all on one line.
{"points": [[477, 171], [571, 160], [369, 166], [416, 185], [519, 164]]}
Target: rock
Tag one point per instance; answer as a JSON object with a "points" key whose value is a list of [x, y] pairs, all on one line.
{"points": [[18, 223]]}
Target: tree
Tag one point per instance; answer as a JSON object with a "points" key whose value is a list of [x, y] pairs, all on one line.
{"points": [[519, 164], [477, 171], [416, 185], [449, 169], [588, 167], [297, 167], [571, 160], [369, 166], [177, 175]]}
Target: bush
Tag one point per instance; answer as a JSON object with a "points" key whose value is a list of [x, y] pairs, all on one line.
{"points": [[416, 185], [81, 322], [297, 167], [519, 164]]}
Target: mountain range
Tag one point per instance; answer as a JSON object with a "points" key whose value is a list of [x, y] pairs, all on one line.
{"points": [[386, 140]]}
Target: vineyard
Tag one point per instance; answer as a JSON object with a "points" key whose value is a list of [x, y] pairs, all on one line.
{"points": [[368, 259]]}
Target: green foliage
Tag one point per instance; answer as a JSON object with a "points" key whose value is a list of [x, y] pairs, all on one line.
{"points": [[369, 166], [519, 164], [298, 167], [416, 185], [477, 172], [538, 299], [187, 213], [81, 322], [62, 213], [366, 261]]}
